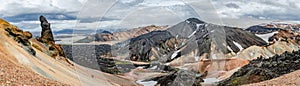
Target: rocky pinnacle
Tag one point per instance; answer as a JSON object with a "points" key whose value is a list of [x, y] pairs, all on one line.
{"points": [[46, 35], [47, 38]]}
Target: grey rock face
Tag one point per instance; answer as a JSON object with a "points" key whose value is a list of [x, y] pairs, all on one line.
{"points": [[140, 47]]}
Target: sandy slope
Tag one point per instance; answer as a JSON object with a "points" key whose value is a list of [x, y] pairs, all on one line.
{"points": [[24, 68], [14, 74]]}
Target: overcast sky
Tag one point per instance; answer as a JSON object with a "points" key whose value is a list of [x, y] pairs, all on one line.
{"points": [[116, 14]]}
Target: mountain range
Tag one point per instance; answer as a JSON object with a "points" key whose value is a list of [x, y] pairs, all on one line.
{"points": [[190, 53]]}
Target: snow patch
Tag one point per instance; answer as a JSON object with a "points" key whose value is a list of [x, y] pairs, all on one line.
{"points": [[214, 56], [167, 64], [146, 83], [174, 54], [210, 80], [187, 21], [196, 58], [192, 34], [229, 49], [251, 54], [265, 37], [238, 45], [140, 67], [198, 25], [154, 67]]}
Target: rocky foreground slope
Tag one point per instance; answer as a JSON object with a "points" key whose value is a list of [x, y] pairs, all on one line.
{"points": [[12, 70]]}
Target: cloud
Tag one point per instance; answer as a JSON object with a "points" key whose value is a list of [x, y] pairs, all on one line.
{"points": [[115, 14], [13, 7], [134, 13], [259, 9], [155, 3], [158, 12], [232, 5], [35, 16]]}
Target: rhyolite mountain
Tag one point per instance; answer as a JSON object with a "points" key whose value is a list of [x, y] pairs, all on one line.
{"points": [[121, 35], [190, 38]]}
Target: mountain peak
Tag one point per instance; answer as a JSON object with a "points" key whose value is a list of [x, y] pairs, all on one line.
{"points": [[195, 20]]}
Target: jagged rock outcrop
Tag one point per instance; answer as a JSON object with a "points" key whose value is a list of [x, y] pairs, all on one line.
{"points": [[18, 35], [46, 34], [262, 69], [48, 40]]}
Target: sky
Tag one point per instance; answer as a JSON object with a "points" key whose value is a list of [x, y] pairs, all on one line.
{"points": [[126, 14]]}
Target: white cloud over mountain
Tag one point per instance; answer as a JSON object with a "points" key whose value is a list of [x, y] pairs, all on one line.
{"points": [[16, 7], [261, 9], [97, 14]]}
